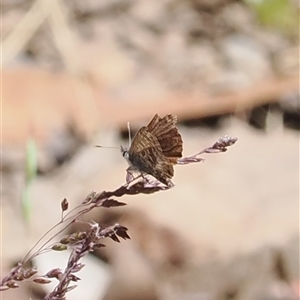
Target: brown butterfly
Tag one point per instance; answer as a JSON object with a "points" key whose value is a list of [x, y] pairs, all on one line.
{"points": [[155, 149]]}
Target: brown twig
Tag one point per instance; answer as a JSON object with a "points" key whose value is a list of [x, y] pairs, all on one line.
{"points": [[82, 243]]}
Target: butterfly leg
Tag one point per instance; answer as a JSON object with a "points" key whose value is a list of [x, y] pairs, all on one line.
{"points": [[146, 180], [129, 175]]}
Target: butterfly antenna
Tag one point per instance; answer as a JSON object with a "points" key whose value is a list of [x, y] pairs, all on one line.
{"points": [[99, 146], [129, 133]]}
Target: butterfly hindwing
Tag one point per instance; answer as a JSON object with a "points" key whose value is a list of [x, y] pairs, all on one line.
{"points": [[147, 156]]}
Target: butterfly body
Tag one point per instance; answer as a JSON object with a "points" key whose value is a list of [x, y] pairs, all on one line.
{"points": [[155, 148]]}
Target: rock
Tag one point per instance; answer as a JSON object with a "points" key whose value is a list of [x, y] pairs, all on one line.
{"points": [[245, 56]]}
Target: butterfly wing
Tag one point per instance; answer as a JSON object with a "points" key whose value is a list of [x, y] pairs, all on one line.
{"points": [[164, 129], [146, 155]]}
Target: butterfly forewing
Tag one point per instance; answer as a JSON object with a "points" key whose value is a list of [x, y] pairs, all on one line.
{"points": [[164, 129]]}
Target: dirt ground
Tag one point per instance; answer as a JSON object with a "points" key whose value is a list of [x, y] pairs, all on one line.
{"points": [[229, 208], [74, 73]]}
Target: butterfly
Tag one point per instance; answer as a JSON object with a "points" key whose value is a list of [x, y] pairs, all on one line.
{"points": [[155, 148]]}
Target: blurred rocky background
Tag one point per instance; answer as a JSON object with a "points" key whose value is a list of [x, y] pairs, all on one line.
{"points": [[75, 72]]}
